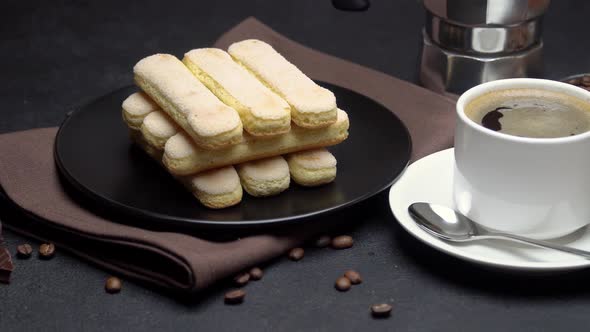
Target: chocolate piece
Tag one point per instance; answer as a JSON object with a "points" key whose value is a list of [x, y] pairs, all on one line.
{"points": [[6, 266]]}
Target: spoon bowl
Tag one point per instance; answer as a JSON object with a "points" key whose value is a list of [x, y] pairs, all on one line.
{"points": [[443, 222], [450, 225]]}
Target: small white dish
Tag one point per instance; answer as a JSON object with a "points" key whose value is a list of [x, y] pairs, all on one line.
{"points": [[430, 179]]}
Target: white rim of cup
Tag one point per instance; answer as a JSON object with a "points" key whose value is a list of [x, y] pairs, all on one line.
{"points": [[521, 83]]}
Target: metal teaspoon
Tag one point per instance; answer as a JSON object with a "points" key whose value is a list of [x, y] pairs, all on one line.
{"points": [[450, 225]]}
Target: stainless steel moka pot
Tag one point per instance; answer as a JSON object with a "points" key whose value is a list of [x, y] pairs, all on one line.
{"points": [[468, 42]]}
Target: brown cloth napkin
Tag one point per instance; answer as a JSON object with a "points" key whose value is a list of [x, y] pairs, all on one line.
{"points": [[182, 262]]}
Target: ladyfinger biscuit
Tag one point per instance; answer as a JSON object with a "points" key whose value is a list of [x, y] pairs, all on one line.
{"points": [[181, 157], [259, 178], [312, 167], [264, 177], [157, 128], [263, 112], [136, 107], [216, 189], [209, 122], [311, 105]]}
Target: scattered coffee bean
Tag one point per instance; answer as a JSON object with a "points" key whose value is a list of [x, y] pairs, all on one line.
{"points": [[47, 250], [323, 241], [296, 254], [256, 273], [24, 250], [113, 285], [586, 80], [342, 242], [242, 279], [342, 284], [381, 310], [353, 276], [234, 297]]}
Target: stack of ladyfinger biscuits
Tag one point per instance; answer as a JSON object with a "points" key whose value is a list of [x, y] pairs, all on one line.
{"points": [[219, 121]]}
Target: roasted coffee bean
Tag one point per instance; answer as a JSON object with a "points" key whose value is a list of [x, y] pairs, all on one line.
{"points": [[46, 250], [242, 279], [296, 254], [256, 273], [234, 297], [381, 310], [342, 242], [342, 284], [586, 80], [24, 250], [113, 285], [323, 241], [353, 276]]}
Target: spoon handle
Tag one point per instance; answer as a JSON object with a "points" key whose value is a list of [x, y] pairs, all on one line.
{"points": [[540, 243]]}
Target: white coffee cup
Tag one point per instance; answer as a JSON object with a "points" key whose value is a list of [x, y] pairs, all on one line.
{"points": [[537, 187]]}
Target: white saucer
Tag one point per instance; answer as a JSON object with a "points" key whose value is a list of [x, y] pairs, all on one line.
{"points": [[430, 179]]}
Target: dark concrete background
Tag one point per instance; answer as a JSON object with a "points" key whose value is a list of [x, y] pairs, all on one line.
{"points": [[58, 54]]}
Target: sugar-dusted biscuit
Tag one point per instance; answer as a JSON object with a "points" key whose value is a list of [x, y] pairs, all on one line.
{"points": [[136, 107], [216, 189], [311, 105], [209, 122], [264, 177], [262, 111], [312, 167], [182, 157], [157, 128]]}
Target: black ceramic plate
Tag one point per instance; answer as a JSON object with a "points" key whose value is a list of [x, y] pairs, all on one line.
{"points": [[95, 155]]}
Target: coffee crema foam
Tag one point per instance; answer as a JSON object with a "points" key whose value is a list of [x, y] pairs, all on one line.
{"points": [[534, 113]]}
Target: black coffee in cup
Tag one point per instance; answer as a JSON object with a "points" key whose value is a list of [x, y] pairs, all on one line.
{"points": [[532, 113]]}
